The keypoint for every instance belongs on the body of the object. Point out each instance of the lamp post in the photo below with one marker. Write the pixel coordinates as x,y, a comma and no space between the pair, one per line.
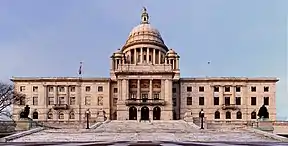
87,118
202,118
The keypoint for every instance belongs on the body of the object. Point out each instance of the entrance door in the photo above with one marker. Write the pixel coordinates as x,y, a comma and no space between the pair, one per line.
156,113
145,113
132,113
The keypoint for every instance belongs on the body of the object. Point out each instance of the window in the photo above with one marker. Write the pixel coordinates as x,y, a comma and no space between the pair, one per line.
266,89
61,100
35,100
22,88
227,89
189,89
50,115
228,115
51,100
189,100
60,115
72,100
115,90
266,100
144,58
216,89
133,96
174,101
35,88
227,100
115,101
35,115
61,89
144,96
100,89
253,89
201,101
201,89
216,100
238,100
253,115
71,115
253,100
138,59
22,101
150,58
87,100
72,89
238,89
217,115
174,90
156,96
100,100
50,89
238,115
88,88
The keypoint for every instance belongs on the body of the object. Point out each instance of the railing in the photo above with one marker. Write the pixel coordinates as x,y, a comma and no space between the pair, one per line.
60,106
229,106
145,102
144,68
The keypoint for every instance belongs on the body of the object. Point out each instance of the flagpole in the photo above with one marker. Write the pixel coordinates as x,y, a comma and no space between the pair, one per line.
80,90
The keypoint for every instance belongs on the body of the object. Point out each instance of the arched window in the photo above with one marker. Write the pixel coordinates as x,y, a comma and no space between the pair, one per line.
72,115
35,115
50,115
60,115
228,115
217,115
253,115
239,115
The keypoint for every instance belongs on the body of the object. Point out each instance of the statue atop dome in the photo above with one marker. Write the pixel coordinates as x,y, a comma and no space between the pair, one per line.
144,16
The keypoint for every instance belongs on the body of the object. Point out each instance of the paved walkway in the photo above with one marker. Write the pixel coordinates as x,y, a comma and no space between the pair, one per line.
135,131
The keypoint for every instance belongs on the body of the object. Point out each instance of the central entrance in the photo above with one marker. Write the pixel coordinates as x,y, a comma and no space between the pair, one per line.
132,113
144,113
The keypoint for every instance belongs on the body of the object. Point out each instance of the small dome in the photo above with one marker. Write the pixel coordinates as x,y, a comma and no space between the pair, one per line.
118,53
171,53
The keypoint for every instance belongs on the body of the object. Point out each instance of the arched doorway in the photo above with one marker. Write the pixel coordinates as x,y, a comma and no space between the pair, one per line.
156,113
132,113
35,115
144,113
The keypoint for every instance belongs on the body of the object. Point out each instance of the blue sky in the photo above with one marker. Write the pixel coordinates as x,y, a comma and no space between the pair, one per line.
241,37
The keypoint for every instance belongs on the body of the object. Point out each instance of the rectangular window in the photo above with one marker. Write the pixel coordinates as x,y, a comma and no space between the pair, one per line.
238,100
174,90
72,100
115,101
216,100
35,100
22,88
253,89
61,89
189,89
72,89
88,89
227,89
115,90
174,101
216,89
201,101
144,58
133,96
201,89
144,96
150,58
35,88
227,100
156,96
61,100
238,89
22,101
51,100
253,100
189,100
266,89
100,88
266,100
50,89
87,100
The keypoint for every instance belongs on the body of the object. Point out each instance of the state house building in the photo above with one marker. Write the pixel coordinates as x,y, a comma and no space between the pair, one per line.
145,83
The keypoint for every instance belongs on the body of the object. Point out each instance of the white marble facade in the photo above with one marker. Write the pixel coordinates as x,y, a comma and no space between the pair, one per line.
145,83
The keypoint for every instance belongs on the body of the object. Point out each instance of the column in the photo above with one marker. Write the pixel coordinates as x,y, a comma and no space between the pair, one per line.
138,89
141,55
148,54
154,56
119,89
124,89
112,63
45,97
162,96
177,62
135,56
67,94
55,94
221,95
233,99
127,89
151,89
159,57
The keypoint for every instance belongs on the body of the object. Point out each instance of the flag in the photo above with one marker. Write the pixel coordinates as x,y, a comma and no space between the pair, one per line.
80,69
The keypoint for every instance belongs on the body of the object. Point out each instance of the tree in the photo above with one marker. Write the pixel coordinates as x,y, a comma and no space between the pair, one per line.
8,96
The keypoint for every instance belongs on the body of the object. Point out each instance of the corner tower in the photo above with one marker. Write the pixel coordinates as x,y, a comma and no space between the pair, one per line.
144,68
